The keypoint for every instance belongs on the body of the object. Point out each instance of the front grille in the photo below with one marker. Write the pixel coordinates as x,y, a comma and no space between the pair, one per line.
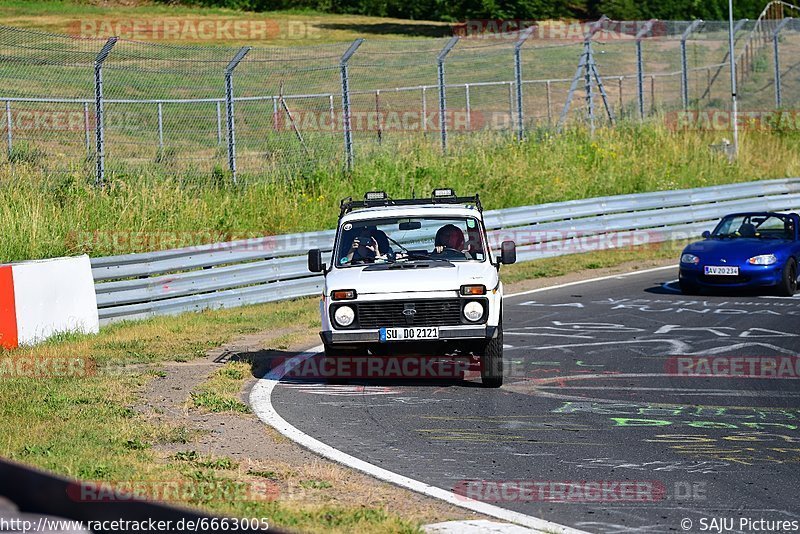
428,312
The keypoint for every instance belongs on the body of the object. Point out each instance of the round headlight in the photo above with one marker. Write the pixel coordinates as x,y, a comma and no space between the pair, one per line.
690,258
344,315
473,311
765,259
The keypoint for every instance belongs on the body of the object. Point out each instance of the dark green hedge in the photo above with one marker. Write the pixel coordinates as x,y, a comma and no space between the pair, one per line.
459,10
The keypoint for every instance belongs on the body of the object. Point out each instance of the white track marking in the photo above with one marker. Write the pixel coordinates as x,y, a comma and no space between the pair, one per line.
480,526
600,279
261,401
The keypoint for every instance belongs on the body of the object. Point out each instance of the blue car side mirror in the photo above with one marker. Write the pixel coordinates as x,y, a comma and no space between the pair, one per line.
706,234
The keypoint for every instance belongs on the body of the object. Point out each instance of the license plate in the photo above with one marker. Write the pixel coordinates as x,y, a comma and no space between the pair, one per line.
408,334
721,270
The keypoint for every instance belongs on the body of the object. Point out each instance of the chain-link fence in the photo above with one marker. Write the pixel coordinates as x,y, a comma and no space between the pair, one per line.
96,107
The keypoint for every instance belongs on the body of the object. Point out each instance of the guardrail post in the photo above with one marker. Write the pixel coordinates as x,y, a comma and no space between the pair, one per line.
442,92
518,77
684,63
347,126
100,177
229,108
9,135
640,66
777,60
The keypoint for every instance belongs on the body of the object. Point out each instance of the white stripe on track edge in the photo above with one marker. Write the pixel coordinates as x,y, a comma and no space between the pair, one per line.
261,402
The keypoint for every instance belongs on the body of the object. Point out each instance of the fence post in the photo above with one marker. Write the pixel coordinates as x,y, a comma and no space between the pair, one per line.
518,77
640,65
229,108
777,60
442,96
424,109
86,128
469,108
549,102
685,64
378,115
219,123
100,177
9,135
348,133
160,127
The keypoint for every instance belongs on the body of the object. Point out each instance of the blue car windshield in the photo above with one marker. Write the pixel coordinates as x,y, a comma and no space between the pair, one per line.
756,225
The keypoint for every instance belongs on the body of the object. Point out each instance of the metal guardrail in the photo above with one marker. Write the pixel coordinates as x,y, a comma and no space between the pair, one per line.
253,271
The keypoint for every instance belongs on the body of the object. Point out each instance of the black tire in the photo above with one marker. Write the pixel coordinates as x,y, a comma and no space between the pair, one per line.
788,285
688,289
492,361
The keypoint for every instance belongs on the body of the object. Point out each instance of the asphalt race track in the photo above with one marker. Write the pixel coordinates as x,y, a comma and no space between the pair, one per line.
598,394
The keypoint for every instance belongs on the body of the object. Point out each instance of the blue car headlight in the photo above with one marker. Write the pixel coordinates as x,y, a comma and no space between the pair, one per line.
764,259
689,258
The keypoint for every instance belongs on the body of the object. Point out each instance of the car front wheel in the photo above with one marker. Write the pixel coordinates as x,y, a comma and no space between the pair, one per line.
788,285
492,361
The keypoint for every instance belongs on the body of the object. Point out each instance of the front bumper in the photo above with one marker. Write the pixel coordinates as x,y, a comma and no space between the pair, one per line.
446,333
749,276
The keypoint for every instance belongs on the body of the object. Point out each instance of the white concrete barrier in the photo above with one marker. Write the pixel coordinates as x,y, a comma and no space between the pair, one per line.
41,298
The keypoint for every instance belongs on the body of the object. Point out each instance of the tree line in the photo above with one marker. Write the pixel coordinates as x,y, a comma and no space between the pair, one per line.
462,10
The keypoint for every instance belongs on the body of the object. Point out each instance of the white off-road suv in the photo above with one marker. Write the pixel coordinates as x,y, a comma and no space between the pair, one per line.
407,273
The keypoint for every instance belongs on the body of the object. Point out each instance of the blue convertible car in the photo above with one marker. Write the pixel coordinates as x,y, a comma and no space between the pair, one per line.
745,250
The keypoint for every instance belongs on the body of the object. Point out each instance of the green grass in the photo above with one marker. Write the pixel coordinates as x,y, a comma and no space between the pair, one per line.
307,27
88,427
220,393
63,215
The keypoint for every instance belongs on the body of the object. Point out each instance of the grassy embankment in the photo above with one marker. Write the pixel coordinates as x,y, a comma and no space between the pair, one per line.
59,215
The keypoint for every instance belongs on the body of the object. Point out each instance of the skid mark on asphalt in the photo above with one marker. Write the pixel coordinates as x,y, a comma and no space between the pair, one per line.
341,390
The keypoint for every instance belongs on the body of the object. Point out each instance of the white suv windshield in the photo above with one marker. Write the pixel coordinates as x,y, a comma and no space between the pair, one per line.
404,239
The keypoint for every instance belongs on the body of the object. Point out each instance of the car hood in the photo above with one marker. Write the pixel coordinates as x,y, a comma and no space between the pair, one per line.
734,250
438,278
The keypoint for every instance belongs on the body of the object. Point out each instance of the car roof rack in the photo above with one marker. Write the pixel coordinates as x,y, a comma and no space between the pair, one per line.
379,198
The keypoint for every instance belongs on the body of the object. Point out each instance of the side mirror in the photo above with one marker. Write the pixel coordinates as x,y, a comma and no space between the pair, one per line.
508,253
706,234
315,264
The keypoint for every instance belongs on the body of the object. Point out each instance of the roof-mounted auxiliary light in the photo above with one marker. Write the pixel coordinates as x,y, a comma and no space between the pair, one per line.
375,195
441,193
